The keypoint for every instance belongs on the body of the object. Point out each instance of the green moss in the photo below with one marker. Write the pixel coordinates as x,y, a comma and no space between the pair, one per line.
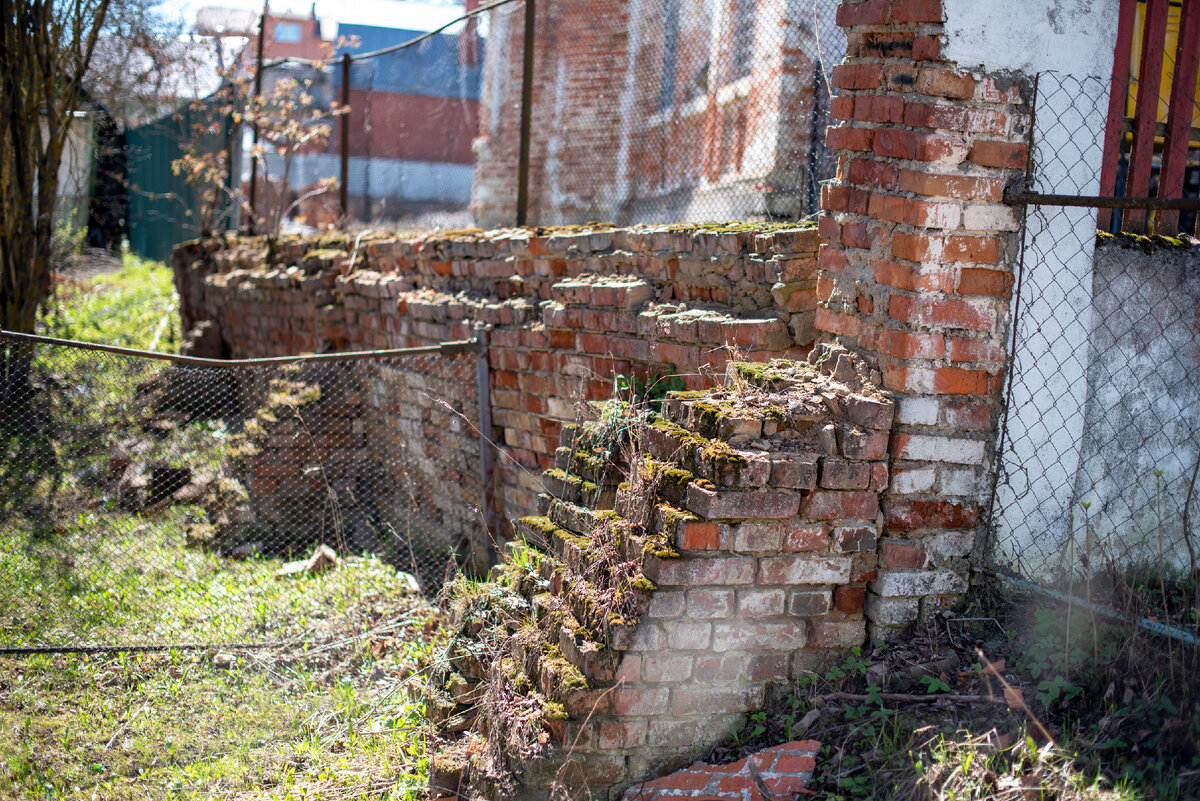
565,477
1147,244
643,584
675,478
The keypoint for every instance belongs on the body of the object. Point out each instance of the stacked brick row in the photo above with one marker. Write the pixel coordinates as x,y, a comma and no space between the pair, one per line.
918,275
570,311
747,527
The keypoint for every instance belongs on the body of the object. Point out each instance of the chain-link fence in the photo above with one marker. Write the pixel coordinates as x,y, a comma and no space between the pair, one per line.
132,486
1100,449
658,111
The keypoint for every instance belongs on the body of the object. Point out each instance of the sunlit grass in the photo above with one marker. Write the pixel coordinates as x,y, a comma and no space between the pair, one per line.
331,712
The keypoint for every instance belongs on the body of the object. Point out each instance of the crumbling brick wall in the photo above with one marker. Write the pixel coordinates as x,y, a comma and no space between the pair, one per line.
568,310
917,275
734,554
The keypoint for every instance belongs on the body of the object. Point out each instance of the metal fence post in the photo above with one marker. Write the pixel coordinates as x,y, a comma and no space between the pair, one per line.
258,71
344,187
526,117
483,552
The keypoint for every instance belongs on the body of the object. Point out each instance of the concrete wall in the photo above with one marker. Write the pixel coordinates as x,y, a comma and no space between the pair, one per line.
1139,446
1045,416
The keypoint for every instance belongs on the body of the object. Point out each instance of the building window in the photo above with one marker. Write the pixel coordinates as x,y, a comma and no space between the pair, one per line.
666,96
743,37
287,32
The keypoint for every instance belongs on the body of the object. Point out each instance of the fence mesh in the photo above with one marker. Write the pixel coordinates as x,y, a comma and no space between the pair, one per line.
131,486
1100,450
661,111
648,112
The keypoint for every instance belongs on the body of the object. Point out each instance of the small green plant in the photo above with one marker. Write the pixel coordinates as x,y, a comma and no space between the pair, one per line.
935,684
650,392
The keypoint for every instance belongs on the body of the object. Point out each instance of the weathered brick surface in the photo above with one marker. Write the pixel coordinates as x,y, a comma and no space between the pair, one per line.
785,770
927,149
772,581
568,311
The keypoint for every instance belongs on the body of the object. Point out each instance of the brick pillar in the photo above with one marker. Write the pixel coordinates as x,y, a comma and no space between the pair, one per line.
917,275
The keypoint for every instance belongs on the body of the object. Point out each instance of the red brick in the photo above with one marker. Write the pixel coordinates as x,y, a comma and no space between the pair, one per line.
835,197
842,475
824,288
940,380
964,349
856,235
908,345
899,77
918,146
697,535
864,445
963,187
969,415
945,83
915,515
833,259
848,600
1005,155
847,138
690,779
926,48
869,172
829,228
941,312
871,12
799,539
841,506
899,554
879,108
957,381
974,249
641,702
955,118
855,76
880,44
561,338
917,213
909,11
841,107
836,323
995,283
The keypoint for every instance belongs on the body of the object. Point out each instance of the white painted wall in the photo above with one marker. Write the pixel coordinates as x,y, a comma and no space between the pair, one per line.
1071,45
379,178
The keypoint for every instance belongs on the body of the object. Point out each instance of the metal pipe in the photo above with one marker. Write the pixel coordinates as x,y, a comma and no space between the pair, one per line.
344,186
1098,202
445,349
483,383
1174,632
526,116
258,71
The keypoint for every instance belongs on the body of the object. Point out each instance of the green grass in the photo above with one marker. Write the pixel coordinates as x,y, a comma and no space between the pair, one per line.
134,306
332,712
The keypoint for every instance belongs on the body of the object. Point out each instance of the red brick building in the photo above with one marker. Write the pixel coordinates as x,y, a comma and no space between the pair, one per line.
659,110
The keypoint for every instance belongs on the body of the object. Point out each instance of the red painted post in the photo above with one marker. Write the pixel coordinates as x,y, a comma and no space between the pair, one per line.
1179,114
1145,116
1114,130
